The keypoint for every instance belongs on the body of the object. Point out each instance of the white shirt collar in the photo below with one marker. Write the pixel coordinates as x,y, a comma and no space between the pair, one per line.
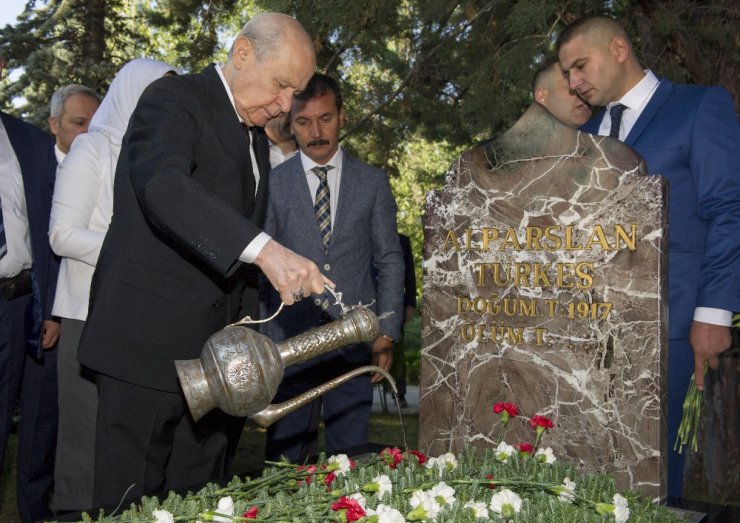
228,91
637,97
59,154
336,161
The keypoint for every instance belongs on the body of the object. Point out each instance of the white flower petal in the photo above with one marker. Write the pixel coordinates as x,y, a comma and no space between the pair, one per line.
225,506
162,516
504,451
505,497
384,484
386,514
442,493
479,508
342,461
621,509
547,455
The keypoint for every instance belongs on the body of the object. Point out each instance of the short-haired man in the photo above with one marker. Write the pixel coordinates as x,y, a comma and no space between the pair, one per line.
690,135
339,212
179,261
551,90
71,109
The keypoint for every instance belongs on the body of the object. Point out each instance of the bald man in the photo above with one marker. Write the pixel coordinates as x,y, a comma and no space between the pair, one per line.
550,89
690,135
180,259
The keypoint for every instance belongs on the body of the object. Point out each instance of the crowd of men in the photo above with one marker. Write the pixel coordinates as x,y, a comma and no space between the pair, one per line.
204,213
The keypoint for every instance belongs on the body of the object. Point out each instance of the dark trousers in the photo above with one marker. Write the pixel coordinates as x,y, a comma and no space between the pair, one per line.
345,410
147,438
680,367
34,383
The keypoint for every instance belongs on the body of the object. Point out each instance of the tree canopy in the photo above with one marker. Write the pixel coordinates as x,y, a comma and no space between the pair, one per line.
422,79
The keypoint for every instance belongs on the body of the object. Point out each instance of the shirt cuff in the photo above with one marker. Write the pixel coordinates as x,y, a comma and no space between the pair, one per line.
255,246
713,316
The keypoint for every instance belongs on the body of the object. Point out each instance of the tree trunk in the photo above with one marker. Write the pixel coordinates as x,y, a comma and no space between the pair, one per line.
93,49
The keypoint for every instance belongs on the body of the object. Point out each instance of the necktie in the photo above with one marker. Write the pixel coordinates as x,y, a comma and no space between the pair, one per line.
322,205
3,241
616,114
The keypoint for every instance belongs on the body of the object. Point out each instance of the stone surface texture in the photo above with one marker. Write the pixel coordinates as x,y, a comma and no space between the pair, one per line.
555,311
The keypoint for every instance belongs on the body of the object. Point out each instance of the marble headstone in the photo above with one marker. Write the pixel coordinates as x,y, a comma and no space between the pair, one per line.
545,286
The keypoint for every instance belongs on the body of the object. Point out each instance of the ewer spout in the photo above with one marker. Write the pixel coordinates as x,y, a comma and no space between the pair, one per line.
239,370
271,414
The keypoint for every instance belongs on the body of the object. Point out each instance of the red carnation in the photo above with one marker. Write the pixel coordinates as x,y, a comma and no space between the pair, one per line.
352,464
524,448
353,509
421,457
491,485
391,456
310,470
251,513
330,477
540,423
511,409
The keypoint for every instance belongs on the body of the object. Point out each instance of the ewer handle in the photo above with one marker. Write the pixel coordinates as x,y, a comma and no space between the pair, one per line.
359,325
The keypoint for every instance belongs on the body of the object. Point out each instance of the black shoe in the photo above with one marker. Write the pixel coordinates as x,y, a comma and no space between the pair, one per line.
403,403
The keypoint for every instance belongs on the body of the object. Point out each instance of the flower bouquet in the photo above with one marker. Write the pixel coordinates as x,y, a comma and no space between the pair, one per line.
515,483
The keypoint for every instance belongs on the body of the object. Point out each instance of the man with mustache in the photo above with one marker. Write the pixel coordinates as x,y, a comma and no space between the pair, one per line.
551,90
690,135
339,212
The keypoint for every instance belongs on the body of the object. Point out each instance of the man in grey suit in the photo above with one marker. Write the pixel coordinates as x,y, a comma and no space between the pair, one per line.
340,213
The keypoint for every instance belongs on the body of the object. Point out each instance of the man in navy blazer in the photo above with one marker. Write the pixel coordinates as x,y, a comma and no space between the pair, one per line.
28,275
690,135
352,237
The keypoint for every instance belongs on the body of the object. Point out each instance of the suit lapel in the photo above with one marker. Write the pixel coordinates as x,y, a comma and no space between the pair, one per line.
662,93
230,132
347,190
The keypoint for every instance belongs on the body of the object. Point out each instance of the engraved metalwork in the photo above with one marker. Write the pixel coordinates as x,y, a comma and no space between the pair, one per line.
239,370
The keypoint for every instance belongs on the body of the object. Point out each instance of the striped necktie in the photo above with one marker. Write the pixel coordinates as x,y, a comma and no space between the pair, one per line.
616,113
322,205
3,241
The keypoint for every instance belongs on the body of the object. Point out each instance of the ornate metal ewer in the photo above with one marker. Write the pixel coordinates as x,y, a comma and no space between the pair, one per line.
239,370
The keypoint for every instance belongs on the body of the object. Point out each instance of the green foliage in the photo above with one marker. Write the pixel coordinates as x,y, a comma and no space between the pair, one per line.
282,493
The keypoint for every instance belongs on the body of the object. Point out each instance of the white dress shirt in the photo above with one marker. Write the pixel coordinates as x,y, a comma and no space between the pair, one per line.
255,246
635,100
15,213
333,179
59,154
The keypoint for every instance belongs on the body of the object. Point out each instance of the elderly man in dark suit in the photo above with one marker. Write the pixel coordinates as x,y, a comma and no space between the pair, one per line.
340,213
28,333
179,261
690,135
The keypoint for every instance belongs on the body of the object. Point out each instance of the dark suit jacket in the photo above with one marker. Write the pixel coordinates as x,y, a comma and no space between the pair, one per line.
690,135
364,258
35,152
184,209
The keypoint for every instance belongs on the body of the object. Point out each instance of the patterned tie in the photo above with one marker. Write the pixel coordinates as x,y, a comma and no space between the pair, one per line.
322,205
616,114
3,241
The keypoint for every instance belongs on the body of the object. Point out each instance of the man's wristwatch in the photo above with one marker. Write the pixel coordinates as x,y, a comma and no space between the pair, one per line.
386,337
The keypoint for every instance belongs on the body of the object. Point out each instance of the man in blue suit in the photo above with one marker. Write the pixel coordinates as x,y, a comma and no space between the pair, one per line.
690,135
340,213
28,275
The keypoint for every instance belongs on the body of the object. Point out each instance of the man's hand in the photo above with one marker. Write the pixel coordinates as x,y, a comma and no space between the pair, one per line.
382,356
290,273
708,341
50,334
